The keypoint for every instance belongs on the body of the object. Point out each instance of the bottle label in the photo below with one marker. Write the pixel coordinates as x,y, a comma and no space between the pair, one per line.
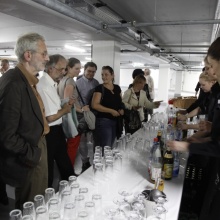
155,172
168,170
169,156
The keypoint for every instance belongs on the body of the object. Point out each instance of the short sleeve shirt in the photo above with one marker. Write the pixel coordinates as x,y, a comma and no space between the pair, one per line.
109,99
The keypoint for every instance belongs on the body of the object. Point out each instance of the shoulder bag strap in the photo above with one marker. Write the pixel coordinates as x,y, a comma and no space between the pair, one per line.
80,95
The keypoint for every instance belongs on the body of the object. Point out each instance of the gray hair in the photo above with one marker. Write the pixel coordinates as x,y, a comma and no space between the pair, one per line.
54,59
27,42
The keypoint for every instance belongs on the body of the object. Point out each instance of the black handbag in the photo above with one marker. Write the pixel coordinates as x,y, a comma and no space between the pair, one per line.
131,118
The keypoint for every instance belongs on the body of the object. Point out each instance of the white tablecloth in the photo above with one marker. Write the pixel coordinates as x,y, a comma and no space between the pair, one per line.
134,177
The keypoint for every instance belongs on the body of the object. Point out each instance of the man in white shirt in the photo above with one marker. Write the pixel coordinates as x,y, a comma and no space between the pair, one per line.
56,142
150,82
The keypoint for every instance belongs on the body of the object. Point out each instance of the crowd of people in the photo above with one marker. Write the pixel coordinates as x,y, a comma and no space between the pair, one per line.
32,108
205,142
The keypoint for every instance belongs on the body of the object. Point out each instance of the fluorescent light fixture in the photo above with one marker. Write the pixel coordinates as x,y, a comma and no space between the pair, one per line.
137,64
77,49
88,45
88,58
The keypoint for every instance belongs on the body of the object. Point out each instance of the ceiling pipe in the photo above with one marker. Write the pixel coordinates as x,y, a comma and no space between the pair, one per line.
72,13
163,23
184,46
191,52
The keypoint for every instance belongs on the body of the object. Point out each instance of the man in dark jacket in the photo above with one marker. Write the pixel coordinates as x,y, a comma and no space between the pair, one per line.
23,152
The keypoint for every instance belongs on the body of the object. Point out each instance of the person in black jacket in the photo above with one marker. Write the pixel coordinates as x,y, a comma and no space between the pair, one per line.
135,73
23,153
210,209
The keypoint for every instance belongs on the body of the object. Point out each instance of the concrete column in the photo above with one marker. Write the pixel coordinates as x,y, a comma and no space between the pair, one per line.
163,82
178,83
106,53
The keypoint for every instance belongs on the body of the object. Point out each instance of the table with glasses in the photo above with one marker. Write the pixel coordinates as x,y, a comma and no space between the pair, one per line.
111,188
133,177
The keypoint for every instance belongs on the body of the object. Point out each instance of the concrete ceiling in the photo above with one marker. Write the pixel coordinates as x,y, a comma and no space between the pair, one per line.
150,31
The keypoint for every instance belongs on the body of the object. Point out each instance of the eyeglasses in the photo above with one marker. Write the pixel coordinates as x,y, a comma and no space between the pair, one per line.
60,70
43,54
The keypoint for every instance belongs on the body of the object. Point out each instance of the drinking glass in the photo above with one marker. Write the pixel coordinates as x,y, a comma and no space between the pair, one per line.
118,162
54,216
123,206
111,212
27,217
39,201
63,184
202,118
28,209
72,179
41,213
138,206
65,198
98,175
53,205
83,215
79,201
49,193
133,215
160,212
90,208
84,191
15,214
97,199
69,211
74,188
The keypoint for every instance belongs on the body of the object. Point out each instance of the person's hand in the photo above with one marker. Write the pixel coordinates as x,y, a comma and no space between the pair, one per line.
183,126
72,101
193,140
136,107
182,117
121,111
178,145
157,104
86,108
205,126
115,113
67,108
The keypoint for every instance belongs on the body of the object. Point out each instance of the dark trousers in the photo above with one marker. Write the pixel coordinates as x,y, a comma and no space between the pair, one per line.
105,132
36,181
57,150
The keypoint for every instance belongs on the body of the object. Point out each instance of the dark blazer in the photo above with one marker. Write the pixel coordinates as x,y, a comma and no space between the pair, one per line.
21,126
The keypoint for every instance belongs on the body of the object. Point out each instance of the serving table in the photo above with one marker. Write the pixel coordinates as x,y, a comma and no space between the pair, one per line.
134,177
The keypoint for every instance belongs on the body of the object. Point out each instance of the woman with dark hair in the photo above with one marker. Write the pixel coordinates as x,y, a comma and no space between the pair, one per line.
67,89
135,98
108,104
211,201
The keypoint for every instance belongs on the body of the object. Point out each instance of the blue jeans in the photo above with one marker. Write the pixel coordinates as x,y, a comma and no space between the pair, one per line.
105,132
